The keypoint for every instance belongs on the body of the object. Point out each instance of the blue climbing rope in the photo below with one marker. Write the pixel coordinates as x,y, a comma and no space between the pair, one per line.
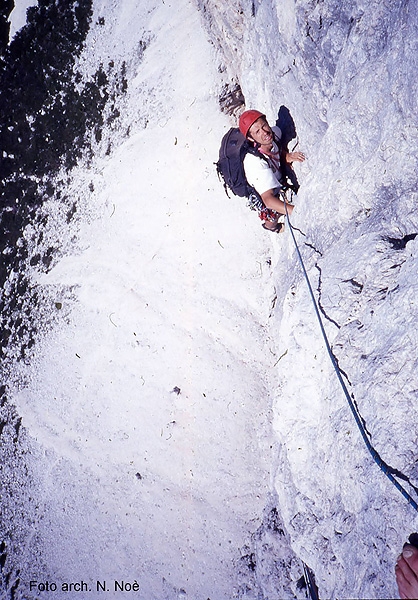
310,582
387,470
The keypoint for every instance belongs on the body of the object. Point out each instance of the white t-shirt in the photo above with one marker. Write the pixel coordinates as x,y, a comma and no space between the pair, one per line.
263,174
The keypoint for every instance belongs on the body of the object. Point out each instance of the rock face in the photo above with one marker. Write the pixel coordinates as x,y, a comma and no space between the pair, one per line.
169,414
347,73
136,441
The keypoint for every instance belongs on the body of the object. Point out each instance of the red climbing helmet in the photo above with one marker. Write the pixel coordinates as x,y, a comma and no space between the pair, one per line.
247,119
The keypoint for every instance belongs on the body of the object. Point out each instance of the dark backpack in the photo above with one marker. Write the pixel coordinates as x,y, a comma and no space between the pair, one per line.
230,166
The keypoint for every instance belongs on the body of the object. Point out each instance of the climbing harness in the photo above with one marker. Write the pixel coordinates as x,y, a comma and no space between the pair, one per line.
390,472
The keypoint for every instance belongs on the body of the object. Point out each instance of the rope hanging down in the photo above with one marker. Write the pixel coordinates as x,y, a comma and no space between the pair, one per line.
387,470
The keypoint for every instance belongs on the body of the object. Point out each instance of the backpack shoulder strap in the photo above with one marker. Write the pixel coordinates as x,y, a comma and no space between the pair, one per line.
251,149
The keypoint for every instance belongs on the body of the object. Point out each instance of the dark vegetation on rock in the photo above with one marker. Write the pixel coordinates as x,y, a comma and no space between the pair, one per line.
6,8
50,117
41,127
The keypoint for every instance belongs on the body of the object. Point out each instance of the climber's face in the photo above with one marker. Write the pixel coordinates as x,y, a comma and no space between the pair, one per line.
260,132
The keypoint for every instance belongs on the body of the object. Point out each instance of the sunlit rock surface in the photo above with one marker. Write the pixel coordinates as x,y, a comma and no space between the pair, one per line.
346,71
170,415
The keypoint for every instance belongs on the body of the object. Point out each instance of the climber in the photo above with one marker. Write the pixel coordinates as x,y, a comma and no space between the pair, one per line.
264,174
406,572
